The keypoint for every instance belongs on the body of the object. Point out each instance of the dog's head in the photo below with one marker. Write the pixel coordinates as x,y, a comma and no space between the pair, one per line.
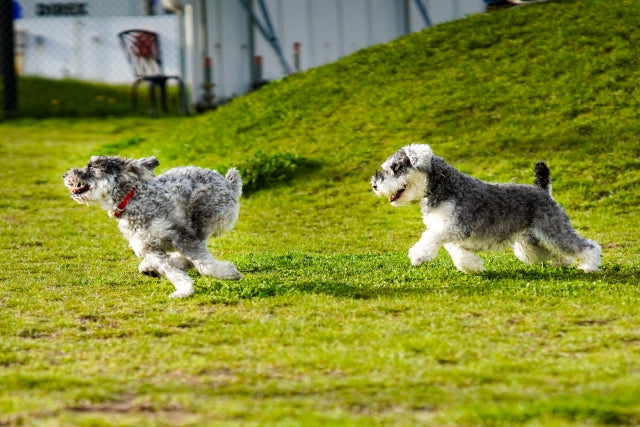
403,176
97,180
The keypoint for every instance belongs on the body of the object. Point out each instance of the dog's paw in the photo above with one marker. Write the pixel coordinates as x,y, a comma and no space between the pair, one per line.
227,271
588,268
417,256
146,269
182,293
473,266
150,273
222,270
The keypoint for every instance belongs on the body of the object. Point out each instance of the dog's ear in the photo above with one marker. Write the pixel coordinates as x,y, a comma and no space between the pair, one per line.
419,155
140,170
97,162
149,163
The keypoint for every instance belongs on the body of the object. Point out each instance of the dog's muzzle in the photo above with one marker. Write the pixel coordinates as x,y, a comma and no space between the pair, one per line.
397,194
75,185
79,189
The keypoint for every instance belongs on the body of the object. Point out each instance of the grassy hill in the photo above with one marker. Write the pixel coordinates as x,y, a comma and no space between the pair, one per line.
492,94
331,325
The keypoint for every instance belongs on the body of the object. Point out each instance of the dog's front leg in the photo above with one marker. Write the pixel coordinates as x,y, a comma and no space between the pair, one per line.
427,247
181,281
464,260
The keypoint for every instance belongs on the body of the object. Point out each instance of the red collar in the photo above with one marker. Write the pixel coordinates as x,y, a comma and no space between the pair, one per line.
123,203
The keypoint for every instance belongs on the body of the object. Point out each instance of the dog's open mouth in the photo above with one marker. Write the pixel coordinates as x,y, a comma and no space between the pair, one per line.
397,194
79,190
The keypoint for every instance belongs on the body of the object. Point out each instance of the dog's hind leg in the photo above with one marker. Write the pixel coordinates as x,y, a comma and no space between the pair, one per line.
181,281
464,260
568,245
529,250
177,260
207,265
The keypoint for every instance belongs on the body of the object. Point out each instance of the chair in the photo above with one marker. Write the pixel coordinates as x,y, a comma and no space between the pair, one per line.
143,53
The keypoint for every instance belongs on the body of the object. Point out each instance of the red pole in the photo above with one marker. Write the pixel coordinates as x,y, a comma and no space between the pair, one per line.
258,69
296,56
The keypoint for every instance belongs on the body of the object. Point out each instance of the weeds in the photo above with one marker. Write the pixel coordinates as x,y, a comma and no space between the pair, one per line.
262,171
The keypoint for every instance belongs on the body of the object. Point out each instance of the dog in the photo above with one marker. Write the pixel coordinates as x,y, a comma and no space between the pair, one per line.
168,218
467,215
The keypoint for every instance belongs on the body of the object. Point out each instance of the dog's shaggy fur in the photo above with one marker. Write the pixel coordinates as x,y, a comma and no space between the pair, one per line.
167,219
466,215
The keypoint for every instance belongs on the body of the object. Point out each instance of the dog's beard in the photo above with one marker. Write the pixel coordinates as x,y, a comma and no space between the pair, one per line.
88,191
79,190
81,194
78,187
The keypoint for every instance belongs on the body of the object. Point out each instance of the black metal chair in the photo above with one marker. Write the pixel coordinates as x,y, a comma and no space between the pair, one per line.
142,48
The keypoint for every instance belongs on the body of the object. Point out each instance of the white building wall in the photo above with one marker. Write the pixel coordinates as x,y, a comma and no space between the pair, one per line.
86,47
325,30
229,45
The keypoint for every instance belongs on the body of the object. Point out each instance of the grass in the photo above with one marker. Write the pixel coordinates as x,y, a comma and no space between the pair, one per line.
331,325
40,97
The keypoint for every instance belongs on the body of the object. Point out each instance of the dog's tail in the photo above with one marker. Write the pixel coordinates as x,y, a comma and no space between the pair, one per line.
233,176
543,176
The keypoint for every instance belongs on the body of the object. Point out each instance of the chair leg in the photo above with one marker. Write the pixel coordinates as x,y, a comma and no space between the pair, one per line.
153,99
163,97
134,96
183,98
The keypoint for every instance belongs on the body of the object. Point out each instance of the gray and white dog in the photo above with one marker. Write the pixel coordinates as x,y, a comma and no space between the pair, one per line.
466,215
168,218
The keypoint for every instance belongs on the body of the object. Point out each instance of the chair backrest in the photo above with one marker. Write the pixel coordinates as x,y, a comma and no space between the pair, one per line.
143,52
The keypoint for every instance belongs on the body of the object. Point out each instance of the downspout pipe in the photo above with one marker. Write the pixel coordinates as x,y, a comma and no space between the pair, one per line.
267,31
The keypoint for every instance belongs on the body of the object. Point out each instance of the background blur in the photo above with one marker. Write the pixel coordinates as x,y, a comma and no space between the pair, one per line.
219,48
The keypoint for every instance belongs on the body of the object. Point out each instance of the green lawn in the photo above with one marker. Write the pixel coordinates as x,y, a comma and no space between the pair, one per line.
331,325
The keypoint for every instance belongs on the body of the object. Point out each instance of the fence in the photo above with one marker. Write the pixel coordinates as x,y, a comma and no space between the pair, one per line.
79,40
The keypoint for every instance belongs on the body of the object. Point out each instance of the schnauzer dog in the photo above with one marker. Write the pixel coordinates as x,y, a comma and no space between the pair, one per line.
167,219
466,215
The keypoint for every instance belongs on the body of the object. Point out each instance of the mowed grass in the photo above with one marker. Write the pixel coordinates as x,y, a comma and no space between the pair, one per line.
331,325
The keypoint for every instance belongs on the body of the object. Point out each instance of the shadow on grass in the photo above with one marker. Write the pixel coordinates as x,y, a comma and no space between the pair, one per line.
365,276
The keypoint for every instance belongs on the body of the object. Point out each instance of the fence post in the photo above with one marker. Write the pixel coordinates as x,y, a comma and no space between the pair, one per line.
7,64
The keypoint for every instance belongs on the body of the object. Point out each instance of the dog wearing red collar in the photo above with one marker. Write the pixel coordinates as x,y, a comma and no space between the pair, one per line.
166,218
